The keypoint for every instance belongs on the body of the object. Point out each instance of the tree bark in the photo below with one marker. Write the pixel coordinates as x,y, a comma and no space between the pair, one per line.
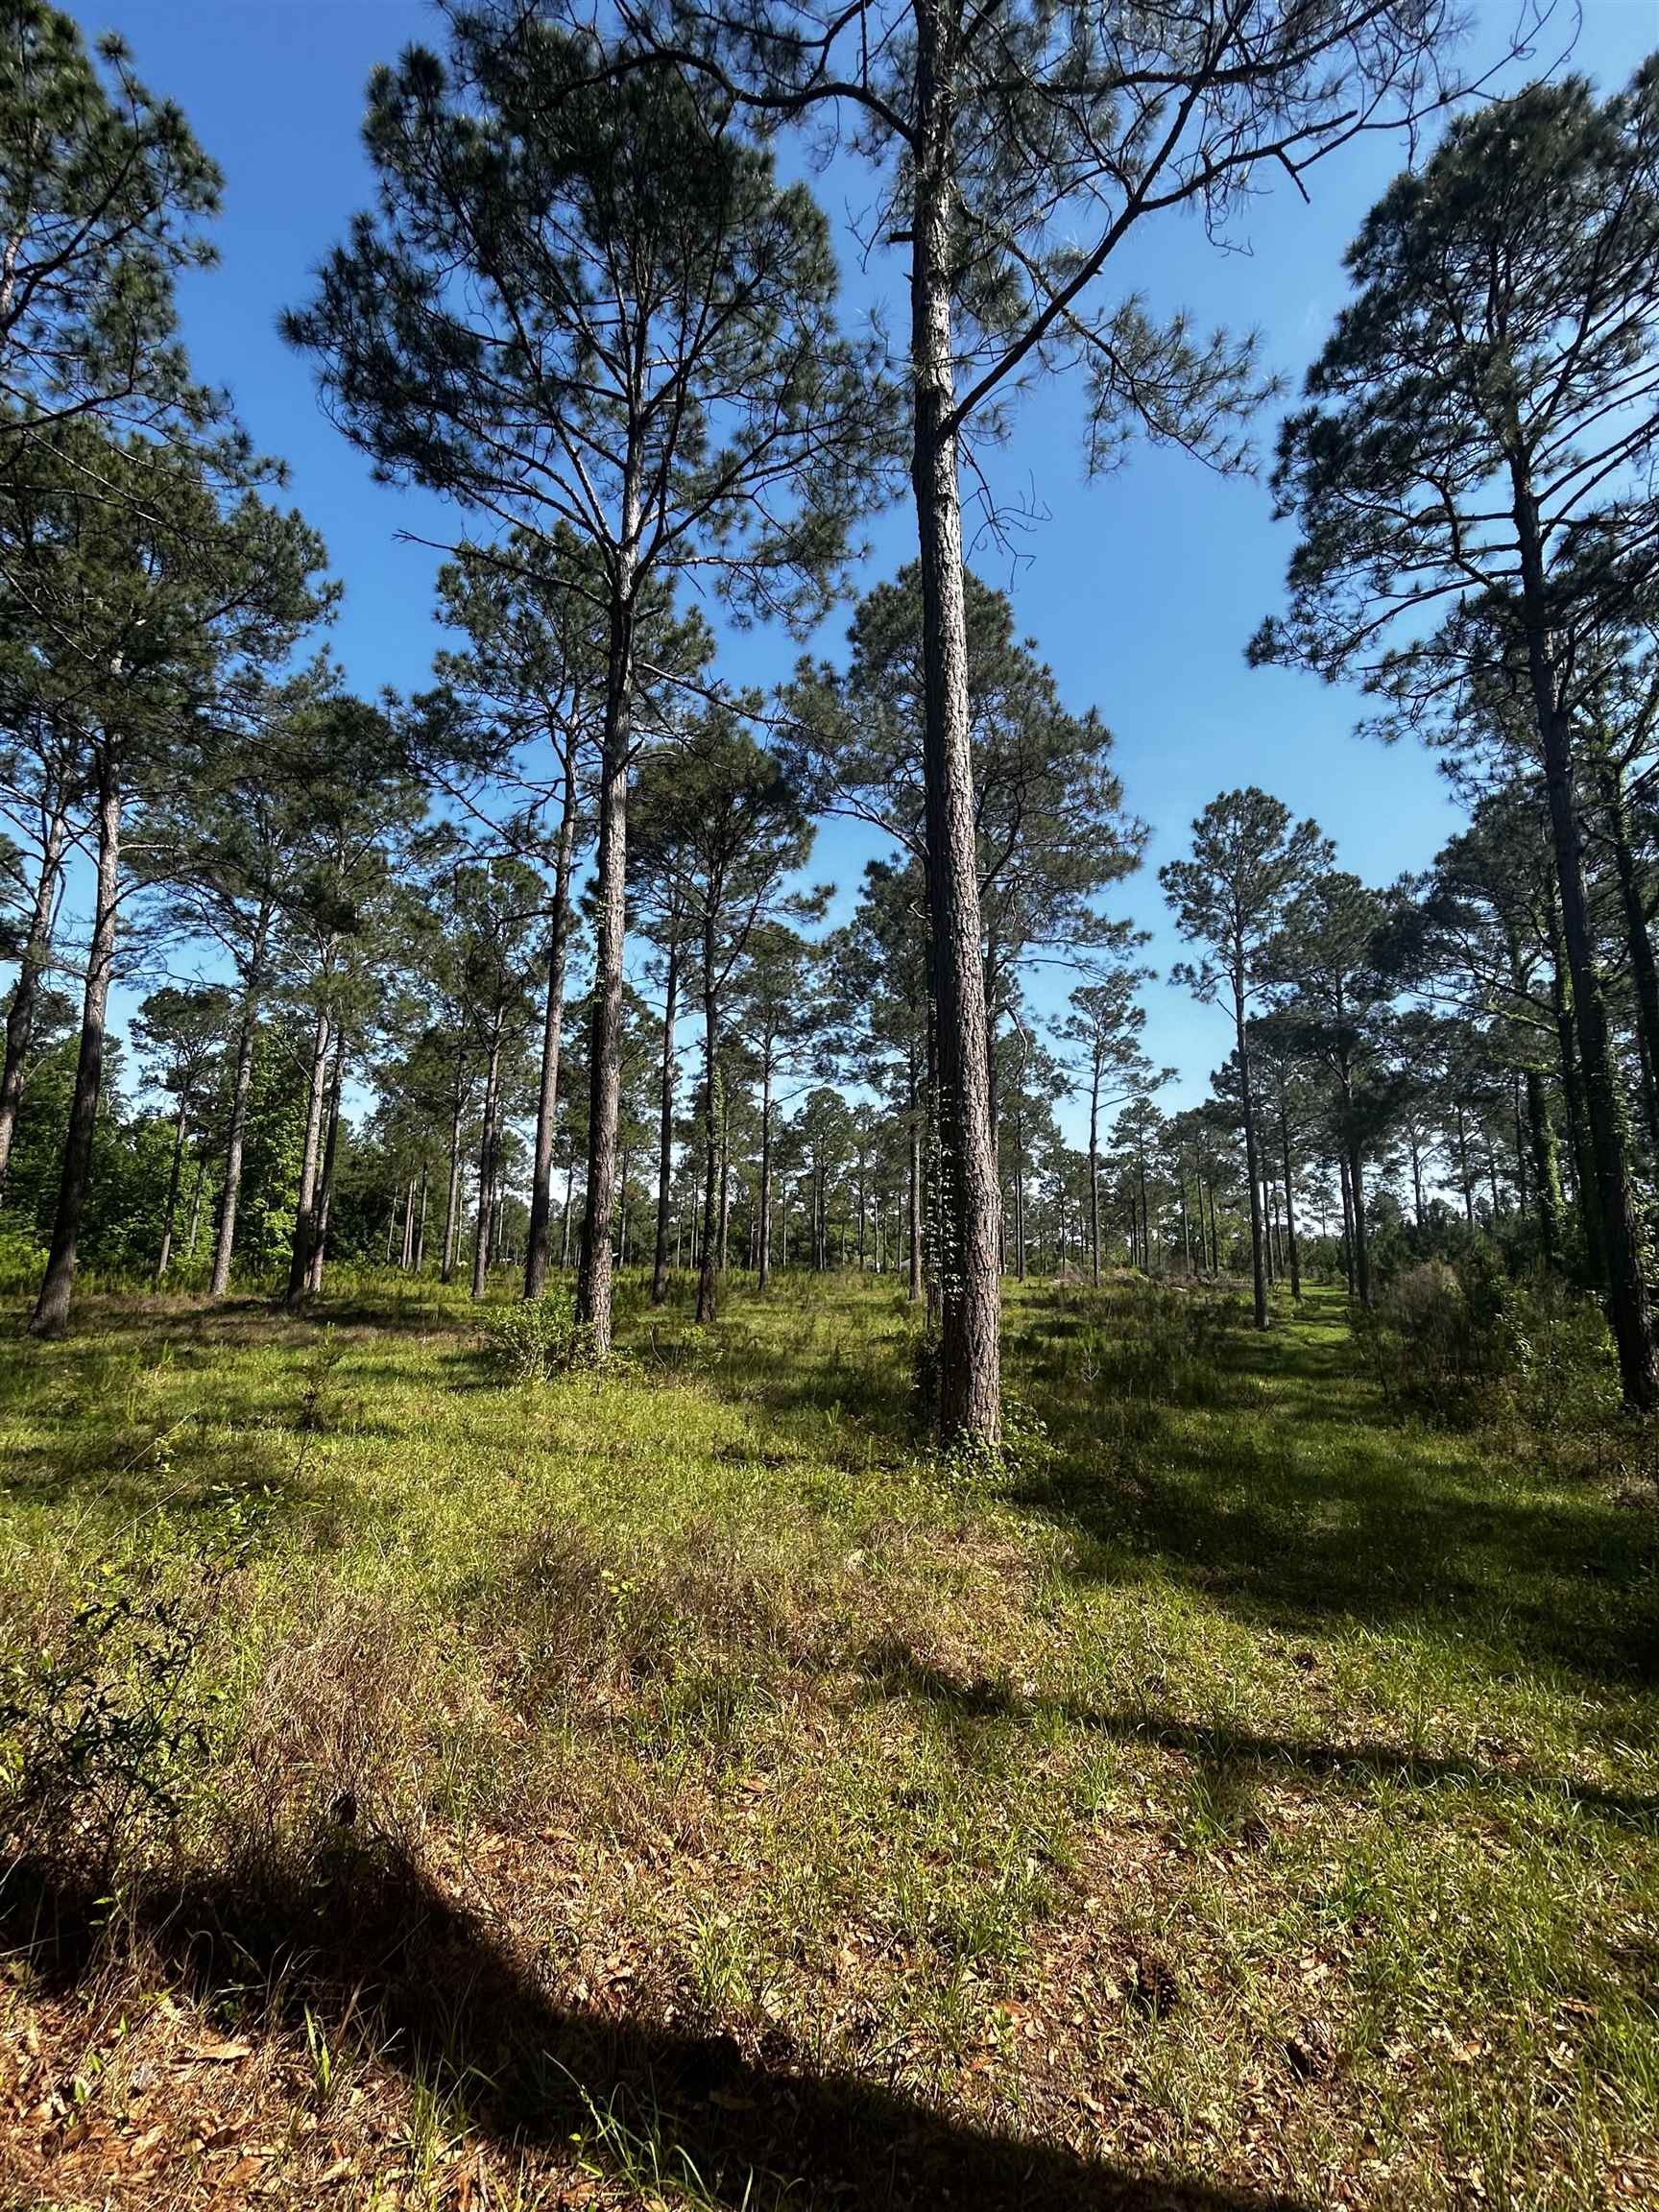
709,1262
604,1026
306,1210
1094,1175
50,1315
969,1395
1643,973
665,1125
330,1151
764,1200
1258,1266
539,1234
1546,1166
32,969
1626,1287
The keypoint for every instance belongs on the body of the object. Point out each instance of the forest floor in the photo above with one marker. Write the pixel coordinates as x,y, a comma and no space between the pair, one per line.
677,1788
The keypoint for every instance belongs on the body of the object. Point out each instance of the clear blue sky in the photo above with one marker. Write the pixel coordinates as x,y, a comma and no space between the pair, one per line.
1140,590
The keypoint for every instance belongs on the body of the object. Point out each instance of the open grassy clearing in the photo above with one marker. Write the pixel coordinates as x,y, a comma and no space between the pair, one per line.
678,1787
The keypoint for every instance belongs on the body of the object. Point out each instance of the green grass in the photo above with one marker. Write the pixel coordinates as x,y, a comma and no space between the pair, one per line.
1237,1787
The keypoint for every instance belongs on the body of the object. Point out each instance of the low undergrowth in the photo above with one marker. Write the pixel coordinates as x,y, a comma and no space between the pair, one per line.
437,1776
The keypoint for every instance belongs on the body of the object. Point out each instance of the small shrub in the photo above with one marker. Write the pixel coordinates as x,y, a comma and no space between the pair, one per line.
95,1733
534,1337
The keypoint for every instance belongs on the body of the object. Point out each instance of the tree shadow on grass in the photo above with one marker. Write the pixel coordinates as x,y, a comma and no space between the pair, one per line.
1242,1755
361,1937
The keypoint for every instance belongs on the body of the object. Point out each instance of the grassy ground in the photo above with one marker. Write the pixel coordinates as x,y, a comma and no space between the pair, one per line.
676,1788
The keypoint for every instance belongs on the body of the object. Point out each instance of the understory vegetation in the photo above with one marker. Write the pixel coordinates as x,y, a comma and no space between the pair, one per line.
679,1784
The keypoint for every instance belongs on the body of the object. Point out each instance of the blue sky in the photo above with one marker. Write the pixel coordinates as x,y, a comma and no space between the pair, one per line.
1139,589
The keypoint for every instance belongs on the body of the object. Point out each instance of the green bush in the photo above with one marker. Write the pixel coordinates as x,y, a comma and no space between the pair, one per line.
533,1337
1455,1345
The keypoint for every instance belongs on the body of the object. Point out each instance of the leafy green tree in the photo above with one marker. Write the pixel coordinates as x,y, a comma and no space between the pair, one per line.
594,307
1474,481
1248,859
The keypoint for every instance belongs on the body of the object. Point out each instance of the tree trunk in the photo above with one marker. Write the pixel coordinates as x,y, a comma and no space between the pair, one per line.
1289,1203
1347,1221
764,1240
970,1396
1258,1265
1546,1166
175,1177
421,1224
1622,1244
452,1198
1094,1176
247,1036
487,1171
1643,973
195,1206
913,1195
666,1128
609,900
306,1210
51,1315
538,1233
711,1126
330,1153
33,966
1463,1174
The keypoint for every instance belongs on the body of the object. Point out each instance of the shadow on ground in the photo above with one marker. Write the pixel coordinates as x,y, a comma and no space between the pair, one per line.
1241,1755
429,1988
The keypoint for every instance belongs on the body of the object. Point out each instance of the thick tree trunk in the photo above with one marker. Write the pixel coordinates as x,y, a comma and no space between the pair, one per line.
241,1090
605,1027
665,1124
1257,1263
330,1153
969,1394
1347,1221
537,1235
306,1210
175,1175
32,969
51,1315
1622,1244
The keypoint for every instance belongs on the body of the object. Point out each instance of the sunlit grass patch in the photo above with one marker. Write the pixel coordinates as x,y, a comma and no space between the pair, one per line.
1233,1781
